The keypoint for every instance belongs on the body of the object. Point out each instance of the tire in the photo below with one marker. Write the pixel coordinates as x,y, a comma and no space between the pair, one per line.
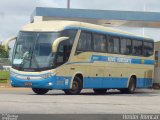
76,87
124,90
100,91
131,87
40,91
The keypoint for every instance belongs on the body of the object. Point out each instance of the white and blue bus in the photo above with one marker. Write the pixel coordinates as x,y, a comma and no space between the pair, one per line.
72,56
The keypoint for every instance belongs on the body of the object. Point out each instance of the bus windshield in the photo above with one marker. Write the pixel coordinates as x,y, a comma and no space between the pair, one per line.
33,51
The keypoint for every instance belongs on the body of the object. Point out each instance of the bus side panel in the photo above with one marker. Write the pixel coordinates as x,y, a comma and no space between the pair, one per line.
115,82
63,77
93,82
144,82
114,76
101,73
95,74
102,82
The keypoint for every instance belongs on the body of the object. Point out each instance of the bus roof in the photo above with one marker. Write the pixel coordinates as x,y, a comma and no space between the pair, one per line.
50,26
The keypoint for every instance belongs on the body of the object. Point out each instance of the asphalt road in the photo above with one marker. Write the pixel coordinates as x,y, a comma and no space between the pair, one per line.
21,101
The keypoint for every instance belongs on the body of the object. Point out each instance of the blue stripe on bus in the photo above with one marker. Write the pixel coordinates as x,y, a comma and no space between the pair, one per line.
121,60
104,82
149,62
58,82
114,82
78,62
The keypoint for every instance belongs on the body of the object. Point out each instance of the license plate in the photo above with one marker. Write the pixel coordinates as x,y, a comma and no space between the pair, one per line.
28,84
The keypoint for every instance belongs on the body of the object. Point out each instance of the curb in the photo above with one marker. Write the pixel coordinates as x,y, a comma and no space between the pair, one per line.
5,85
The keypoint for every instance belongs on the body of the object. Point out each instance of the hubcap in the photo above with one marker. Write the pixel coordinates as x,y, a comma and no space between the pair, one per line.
74,86
132,87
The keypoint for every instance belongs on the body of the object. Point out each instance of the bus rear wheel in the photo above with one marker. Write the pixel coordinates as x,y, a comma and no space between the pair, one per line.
40,91
131,87
76,87
100,91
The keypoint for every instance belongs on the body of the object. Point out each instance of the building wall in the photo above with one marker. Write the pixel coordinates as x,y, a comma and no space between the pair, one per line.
157,64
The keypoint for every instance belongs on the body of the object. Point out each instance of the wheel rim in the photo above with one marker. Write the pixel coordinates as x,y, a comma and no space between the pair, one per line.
74,87
132,86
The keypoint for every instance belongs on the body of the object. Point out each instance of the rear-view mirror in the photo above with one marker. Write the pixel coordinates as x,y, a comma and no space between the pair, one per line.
57,42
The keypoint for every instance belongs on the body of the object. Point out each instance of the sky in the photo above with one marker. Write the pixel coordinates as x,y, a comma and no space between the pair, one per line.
14,14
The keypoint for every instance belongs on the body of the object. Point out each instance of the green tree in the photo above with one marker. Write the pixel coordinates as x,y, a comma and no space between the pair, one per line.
3,52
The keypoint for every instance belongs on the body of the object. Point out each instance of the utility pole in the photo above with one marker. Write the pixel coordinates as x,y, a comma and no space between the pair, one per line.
68,4
143,29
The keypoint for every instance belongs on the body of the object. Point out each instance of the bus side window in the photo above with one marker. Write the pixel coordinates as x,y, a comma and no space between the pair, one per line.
69,33
137,48
147,49
113,45
116,45
65,47
129,47
126,46
84,43
99,43
110,45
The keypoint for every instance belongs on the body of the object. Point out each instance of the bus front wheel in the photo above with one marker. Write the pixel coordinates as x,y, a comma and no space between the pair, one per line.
100,91
131,87
76,87
40,91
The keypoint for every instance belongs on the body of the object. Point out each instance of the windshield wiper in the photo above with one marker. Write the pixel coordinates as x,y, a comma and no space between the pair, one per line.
25,57
32,55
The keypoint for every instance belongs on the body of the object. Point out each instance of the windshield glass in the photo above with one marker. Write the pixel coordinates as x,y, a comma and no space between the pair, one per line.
33,51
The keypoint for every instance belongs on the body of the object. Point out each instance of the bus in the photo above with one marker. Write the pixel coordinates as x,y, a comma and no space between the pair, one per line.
71,56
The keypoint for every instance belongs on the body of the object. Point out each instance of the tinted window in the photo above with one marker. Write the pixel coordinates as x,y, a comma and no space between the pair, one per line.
137,48
113,45
69,33
116,45
99,43
126,46
84,43
65,47
110,45
43,46
148,48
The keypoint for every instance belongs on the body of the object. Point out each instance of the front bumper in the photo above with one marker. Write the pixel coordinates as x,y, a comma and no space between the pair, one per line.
54,82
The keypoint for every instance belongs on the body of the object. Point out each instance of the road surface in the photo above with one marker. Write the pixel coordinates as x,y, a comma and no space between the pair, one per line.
21,101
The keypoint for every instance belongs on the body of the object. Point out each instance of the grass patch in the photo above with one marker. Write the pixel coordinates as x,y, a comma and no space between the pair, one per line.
4,76
3,81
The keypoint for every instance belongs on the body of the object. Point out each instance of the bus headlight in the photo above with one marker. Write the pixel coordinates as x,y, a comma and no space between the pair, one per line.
50,84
